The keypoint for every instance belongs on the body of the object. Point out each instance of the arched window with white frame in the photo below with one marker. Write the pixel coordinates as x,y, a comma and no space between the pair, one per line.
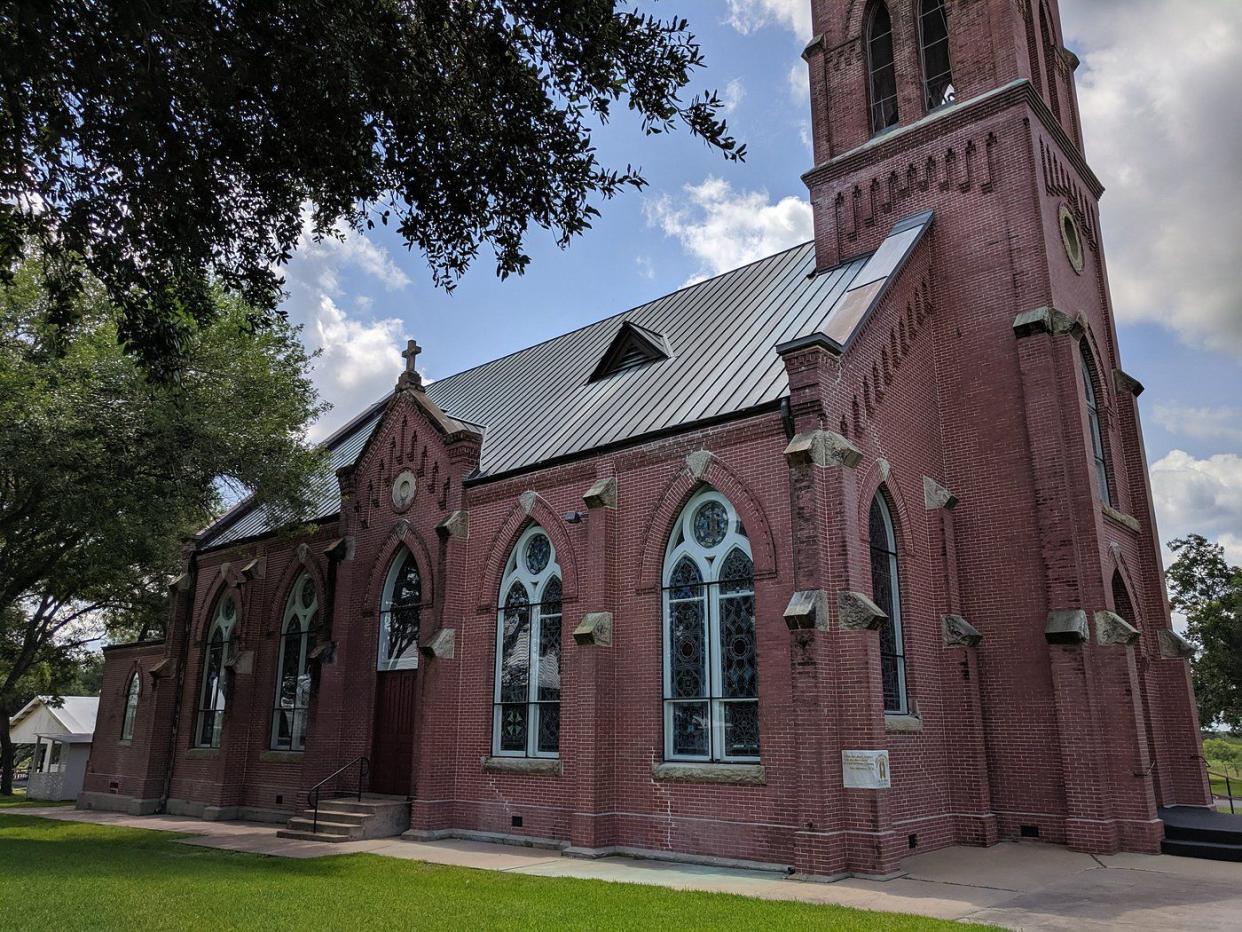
214,690
526,720
886,591
711,665
132,689
293,680
400,616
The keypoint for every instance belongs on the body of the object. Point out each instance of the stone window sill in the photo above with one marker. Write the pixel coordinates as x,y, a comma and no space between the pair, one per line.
525,766
690,772
281,757
1120,517
902,724
203,753
125,742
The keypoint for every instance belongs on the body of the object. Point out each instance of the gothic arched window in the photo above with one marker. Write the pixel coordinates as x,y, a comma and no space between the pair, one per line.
1090,393
526,719
293,680
132,689
886,590
938,88
400,615
881,68
1050,60
214,690
711,667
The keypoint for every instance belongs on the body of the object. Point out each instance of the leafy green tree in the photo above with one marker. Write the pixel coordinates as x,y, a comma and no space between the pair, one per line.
173,145
103,472
1208,591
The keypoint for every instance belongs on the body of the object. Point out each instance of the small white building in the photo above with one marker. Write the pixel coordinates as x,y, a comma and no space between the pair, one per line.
62,739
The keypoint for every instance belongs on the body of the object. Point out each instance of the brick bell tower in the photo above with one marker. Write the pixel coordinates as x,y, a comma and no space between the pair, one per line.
968,108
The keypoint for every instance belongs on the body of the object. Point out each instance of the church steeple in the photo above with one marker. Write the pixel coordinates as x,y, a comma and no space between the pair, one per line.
877,65
902,78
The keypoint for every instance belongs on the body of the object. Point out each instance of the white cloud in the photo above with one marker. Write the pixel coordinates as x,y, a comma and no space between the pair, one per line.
1200,496
748,15
360,351
1201,423
734,94
646,268
1163,124
724,229
799,84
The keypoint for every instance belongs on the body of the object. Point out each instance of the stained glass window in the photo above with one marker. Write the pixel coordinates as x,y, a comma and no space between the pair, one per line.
209,724
132,689
938,87
527,717
881,69
293,676
886,591
401,616
711,687
1100,464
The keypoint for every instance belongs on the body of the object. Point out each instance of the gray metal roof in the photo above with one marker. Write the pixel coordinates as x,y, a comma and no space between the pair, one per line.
538,404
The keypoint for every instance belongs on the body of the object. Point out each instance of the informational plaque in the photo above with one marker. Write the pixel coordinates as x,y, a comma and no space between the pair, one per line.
865,770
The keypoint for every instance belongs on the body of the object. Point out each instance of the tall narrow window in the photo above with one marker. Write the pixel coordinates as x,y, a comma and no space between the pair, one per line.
400,616
293,680
212,695
527,711
711,669
881,69
938,88
886,590
1050,61
132,688
1093,421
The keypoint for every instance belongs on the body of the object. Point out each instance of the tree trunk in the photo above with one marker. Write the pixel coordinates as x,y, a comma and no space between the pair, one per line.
6,754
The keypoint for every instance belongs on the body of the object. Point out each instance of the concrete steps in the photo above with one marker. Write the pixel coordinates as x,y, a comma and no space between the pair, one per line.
350,820
1192,832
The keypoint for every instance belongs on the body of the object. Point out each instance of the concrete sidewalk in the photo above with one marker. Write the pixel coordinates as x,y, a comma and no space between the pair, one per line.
1020,885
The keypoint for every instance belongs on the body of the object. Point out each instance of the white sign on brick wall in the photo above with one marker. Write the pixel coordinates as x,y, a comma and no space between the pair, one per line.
865,770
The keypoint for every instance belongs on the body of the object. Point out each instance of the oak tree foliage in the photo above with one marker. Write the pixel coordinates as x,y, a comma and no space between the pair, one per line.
1208,591
171,147
104,471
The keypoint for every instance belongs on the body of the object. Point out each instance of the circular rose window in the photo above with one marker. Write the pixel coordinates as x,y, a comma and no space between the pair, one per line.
711,523
403,490
1072,238
538,553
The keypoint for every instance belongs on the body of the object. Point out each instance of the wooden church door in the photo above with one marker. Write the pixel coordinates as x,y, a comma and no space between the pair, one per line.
396,680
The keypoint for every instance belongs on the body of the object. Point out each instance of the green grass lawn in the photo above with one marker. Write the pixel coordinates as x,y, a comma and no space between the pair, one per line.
76,875
19,801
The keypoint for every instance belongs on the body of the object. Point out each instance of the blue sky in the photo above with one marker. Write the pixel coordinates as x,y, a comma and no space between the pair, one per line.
1166,145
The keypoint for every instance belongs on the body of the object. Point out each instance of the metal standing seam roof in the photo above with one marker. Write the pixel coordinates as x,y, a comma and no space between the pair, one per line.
538,404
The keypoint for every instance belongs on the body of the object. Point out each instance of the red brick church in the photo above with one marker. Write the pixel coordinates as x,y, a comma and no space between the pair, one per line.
843,553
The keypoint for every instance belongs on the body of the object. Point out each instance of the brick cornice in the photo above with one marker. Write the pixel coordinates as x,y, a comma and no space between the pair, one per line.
940,123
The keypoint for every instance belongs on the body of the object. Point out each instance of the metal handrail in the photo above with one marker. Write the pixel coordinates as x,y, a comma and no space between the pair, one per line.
1228,787
313,796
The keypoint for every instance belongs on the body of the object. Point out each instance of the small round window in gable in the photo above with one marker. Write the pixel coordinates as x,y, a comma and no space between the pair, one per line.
1072,238
403,490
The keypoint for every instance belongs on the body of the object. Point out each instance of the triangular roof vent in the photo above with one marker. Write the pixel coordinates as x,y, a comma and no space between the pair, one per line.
633,346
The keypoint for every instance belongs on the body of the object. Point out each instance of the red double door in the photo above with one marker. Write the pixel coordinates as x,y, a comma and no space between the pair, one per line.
392,745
